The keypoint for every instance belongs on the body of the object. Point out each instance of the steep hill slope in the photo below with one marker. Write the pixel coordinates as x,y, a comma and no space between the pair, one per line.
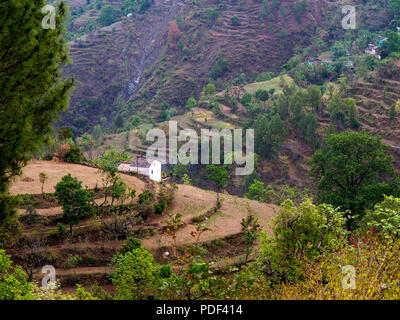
134,59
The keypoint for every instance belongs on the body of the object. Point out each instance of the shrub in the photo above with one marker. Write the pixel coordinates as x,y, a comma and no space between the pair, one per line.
130,245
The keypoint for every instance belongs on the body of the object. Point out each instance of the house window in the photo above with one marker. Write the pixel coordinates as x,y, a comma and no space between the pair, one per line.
151,171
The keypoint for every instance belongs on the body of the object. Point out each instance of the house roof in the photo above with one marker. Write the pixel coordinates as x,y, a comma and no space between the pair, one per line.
141,163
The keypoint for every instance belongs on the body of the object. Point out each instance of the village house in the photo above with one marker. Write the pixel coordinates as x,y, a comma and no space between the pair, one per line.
147,167
373,50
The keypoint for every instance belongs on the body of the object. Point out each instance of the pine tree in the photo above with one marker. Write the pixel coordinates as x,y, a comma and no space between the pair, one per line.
32,91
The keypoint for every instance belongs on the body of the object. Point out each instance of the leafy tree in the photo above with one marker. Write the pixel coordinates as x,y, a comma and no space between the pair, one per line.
74,154
269,134
43,178
108,166
134,274
32,90
173,224
13,284
130,245
246,99
314,96
76,202
191,103
218,68
304,232
107,16
339,50
209,90
392,112
258,192
219,175
391,45
211,15
347,166
250,230
235,21
384,218
262,94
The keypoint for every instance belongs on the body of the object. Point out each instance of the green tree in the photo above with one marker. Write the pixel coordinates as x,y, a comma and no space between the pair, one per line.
392,112
258,192
246,99
107,16
269,135
134,274
250,230
191,103
13,284
347,166
314,96
76,202
303,232
218,68
219,175
262,94
43,178
32,90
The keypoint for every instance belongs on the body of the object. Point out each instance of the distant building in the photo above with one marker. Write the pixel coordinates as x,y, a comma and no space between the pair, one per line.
150,168
373,50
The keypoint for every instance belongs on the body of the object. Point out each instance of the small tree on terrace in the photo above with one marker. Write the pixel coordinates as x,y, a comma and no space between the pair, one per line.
219,175
250,229
43,178
76,202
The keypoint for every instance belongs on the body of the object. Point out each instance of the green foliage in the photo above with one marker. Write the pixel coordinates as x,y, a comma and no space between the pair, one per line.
134,274
191,103
391,45
258,192
219,175
246,99
250,230
218,68
339,50
74,154
303,232
107,16
269,135
350,169
32,90
211,15
77,203
13,284
130,245
235,21
209,90
385,217
392,112
262,94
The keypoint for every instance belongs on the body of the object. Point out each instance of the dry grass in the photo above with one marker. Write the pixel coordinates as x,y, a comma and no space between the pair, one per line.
28,182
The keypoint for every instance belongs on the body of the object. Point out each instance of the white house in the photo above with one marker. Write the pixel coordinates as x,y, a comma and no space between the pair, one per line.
148,167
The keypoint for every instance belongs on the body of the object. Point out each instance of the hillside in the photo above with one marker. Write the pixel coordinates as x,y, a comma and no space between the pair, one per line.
134,58
95,249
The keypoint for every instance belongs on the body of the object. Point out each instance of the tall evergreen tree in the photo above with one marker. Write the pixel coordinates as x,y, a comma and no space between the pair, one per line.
32,91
